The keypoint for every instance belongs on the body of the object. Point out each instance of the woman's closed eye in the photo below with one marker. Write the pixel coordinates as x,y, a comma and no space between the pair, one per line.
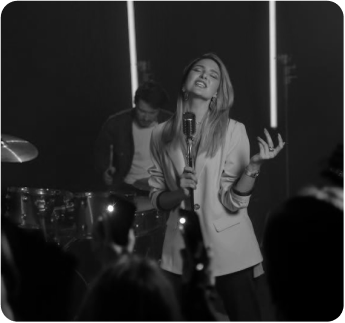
197,69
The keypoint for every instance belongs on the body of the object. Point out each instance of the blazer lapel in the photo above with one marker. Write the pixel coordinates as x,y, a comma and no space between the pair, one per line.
179,161
177,158
200,163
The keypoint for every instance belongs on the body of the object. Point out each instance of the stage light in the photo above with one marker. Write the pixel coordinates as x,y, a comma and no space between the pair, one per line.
182,221
132,47
273,64
110,208
199,267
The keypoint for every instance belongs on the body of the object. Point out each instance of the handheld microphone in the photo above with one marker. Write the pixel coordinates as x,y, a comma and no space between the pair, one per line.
188,125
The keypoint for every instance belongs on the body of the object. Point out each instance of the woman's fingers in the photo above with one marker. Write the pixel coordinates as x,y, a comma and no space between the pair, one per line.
189,176
281,142
188,183
272,150
262,148
188,179
267,149
279,147
189,173
188,169
269,139
264,145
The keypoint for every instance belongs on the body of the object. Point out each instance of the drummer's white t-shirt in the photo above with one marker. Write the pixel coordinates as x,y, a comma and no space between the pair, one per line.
141,159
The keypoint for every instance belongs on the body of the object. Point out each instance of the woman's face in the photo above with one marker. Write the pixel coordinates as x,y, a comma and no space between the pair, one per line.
203,79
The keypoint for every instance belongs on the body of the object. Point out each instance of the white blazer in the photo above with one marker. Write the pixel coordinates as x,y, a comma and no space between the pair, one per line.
225,223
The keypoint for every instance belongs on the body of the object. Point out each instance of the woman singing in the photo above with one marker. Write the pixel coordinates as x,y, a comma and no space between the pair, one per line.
222,180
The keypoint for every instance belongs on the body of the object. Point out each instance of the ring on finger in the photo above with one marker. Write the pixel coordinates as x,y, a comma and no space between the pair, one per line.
271,149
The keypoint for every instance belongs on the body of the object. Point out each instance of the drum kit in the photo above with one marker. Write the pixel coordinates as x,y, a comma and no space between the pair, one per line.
62,216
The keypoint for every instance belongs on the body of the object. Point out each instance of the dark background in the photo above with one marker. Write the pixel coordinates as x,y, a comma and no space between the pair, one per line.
65,69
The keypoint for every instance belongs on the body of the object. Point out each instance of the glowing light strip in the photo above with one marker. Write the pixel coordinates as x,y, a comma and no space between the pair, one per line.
273,65
132,47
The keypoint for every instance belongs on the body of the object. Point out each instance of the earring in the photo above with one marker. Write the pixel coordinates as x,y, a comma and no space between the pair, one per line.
213,103
185,95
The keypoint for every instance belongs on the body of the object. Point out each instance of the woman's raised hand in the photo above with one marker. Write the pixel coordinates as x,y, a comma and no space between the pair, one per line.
267,149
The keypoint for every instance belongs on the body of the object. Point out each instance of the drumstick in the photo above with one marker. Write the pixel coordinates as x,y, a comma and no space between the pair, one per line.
111,156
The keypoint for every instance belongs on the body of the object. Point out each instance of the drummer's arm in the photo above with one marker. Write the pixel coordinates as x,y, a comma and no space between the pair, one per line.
142,184
105,148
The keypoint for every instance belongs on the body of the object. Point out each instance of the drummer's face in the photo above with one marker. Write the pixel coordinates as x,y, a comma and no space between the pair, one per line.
145,114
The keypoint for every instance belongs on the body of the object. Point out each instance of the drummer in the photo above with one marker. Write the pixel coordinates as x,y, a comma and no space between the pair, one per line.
122,153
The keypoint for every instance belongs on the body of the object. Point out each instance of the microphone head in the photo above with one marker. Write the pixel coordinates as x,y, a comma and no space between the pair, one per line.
188,124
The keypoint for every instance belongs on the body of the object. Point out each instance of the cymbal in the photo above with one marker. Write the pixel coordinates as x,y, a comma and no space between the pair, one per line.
16,150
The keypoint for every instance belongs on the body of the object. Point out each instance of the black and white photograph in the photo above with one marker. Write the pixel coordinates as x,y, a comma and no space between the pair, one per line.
172,161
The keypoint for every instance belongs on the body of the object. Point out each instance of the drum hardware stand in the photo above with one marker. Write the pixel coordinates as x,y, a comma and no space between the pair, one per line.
86,203
23,216
42,213
41,217
55,220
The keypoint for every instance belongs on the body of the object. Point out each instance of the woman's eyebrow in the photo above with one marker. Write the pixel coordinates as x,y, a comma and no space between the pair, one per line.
212,70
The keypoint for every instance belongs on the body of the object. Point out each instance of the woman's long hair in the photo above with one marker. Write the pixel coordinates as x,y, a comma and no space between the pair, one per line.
218,116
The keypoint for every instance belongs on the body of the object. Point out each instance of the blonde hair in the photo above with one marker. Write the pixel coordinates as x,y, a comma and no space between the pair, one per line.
216,120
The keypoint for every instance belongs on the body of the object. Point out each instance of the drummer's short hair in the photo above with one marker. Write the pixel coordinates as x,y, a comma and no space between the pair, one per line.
152,93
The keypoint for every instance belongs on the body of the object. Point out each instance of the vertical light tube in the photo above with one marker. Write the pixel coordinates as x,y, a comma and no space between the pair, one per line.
273,65
132,47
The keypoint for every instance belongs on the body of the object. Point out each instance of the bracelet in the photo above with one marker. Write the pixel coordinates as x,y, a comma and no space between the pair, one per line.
254,174
242,193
